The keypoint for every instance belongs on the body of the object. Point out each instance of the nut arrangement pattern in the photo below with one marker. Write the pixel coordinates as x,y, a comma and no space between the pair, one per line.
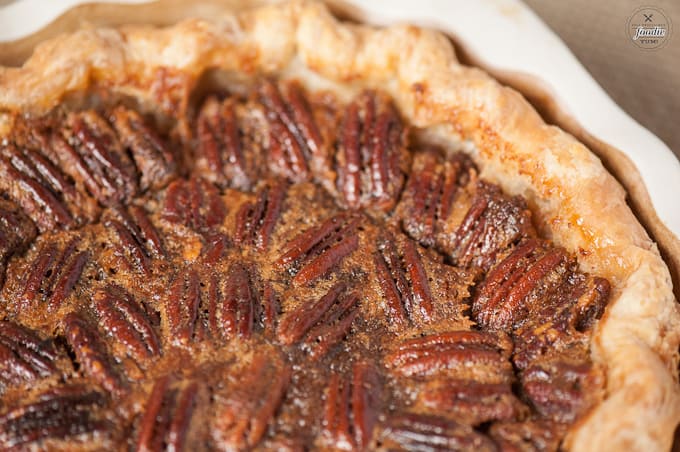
279,270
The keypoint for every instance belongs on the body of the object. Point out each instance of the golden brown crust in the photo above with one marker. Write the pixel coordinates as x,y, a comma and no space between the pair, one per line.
576,202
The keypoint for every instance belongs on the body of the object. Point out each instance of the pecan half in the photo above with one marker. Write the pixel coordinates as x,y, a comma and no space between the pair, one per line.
61,413
33,183
562,310
351,408
504,299
473,355
317,251
232,310
54,272
126,322
434,183
493,223
295,144
255,221
471,402
25,356
17,231
194,203
167,420
411,431
215,248
181,307
321,323
372,154
403,281
220,155
270,309
91,352
48,165
242,418
203,304
89,151
152,156
561,390
138,239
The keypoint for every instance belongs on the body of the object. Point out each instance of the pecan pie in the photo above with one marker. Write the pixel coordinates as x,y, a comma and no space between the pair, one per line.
275,231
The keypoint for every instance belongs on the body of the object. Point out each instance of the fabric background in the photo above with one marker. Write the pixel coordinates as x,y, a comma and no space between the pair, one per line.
645,83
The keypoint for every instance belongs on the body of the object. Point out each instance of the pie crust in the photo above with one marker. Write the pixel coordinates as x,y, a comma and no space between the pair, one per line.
576,203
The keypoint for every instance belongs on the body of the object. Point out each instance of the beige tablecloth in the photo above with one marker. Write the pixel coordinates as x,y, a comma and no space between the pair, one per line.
645,83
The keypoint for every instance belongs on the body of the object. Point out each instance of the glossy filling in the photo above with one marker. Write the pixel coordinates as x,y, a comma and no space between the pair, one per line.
279,270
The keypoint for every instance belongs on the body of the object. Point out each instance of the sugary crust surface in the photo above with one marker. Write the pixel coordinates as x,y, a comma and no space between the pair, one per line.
576,202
